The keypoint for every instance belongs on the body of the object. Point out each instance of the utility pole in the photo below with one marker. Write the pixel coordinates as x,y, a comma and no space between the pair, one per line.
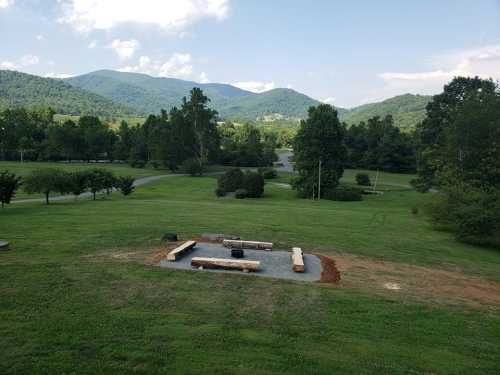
319,179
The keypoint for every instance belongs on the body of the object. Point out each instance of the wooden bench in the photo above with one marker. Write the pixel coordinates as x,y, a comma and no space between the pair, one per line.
180,250
227,264
297,260
238,244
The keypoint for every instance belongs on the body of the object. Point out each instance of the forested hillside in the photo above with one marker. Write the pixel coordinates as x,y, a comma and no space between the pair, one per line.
148,94
29,91
407,110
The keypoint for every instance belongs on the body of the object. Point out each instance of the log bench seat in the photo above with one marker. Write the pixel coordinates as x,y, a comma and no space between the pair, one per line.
227,264
297,260
180,250
256,245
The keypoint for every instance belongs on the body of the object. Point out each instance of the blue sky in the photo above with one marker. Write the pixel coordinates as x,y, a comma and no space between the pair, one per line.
342,52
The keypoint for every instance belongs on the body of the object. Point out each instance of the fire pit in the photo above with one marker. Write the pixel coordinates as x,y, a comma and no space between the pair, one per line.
237,253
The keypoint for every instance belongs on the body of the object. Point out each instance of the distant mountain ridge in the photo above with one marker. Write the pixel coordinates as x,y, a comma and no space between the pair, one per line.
148,94
26,90
111,93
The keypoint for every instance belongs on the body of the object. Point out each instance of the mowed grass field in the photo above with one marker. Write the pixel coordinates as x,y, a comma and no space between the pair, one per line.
76,297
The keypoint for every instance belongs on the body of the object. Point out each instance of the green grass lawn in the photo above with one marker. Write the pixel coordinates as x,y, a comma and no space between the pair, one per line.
68,306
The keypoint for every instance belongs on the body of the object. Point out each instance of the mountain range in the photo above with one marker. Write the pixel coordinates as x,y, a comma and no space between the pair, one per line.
113,93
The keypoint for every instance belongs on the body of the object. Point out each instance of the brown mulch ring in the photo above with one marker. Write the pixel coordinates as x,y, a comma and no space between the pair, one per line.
330,273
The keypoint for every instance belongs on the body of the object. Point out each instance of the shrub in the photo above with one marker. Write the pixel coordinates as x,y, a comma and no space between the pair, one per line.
344,193
241,194
9,183
254,184
232,180
125,184
153,164
193,167
363,179
268,173
414,210
136,163
220,192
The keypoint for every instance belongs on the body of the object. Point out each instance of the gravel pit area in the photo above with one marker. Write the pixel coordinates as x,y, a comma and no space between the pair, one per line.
276,263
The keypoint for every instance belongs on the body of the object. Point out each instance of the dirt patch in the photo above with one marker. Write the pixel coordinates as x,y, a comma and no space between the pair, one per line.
161,253
330,273
422,283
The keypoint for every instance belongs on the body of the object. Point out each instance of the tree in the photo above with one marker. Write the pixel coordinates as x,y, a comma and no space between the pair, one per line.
125,184
441,124
97,181
9,183
202,120
45,181
78,182
320,139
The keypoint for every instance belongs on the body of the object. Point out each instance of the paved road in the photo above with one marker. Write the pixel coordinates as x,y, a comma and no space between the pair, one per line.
139,182
283,159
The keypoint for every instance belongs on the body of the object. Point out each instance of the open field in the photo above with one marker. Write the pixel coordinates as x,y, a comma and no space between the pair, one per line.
77,297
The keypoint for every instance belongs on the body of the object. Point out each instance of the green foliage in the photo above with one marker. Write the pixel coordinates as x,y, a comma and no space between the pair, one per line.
241,194
344,193
78,182
380,145
268,173
47,180
407,111
9,183
193,167
21,89
319,139
98,179
254,184
363,179
471,213
232,180
220,192
125,184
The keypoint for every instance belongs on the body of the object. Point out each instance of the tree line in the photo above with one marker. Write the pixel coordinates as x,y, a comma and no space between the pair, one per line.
54,180
188,135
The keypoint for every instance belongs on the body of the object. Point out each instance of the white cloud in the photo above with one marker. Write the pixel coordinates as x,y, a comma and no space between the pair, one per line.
27,60
204,78
92,44
40,37
125,49
177,66
255,86
483,62
5,3
8,65
330,100
58,75
169,15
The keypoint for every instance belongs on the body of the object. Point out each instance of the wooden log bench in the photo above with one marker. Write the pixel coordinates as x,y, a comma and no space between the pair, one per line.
180,250
256,245
227,264
297,260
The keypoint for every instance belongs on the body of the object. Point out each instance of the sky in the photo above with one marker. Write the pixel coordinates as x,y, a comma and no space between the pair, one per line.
344,53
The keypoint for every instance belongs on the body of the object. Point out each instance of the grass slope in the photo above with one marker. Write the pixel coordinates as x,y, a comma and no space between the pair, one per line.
74,300
26,90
